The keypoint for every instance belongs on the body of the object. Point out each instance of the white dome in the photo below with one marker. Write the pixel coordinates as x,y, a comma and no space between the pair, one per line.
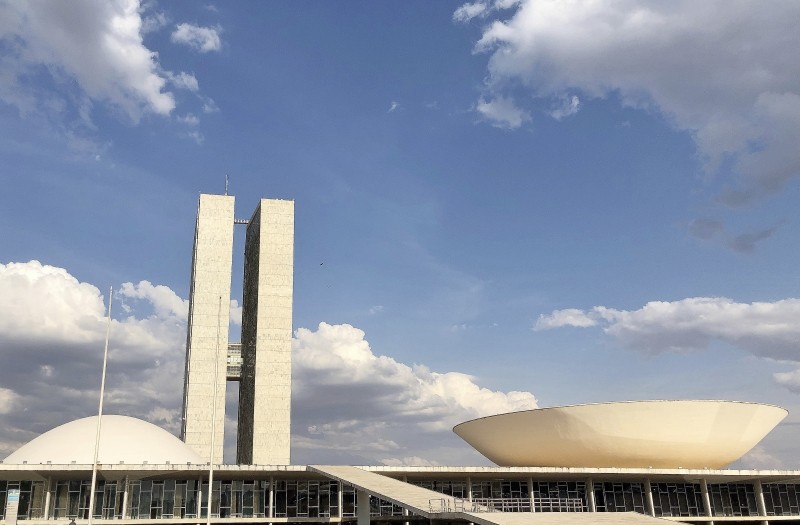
122,439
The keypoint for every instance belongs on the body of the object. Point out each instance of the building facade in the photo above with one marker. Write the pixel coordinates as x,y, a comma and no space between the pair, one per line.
300,494
261,364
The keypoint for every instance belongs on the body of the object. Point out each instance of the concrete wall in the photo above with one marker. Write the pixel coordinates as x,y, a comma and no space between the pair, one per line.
207,334
266,382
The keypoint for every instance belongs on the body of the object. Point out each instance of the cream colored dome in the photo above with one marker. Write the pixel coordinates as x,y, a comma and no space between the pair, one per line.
122,439
658,434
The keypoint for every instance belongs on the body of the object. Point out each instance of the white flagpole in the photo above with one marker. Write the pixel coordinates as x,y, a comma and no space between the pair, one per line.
100,409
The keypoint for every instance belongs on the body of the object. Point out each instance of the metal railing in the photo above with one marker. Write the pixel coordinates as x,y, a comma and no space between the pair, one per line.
506,505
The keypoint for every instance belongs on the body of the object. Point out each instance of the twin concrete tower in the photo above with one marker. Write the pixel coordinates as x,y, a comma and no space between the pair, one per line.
262,363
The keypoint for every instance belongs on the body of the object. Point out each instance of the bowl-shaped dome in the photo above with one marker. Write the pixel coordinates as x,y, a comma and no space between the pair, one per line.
122,439
658,434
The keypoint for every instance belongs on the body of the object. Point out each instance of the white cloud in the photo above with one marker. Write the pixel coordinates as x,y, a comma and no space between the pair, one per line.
348,402
725,73
209,106
196,136
353,401
98,45
789,380
165,302
189,119
567,106
414,461
468,11
759,458
393,106
154,22
236,313
502,112
566,317
52,328
201,39
764,329
7,400
184,80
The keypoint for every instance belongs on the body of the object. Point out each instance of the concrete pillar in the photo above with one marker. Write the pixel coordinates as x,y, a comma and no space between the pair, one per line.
530,494
199,496
590,495
706,499
760,503
405,510
362,503
648,498
271,512
340,500
125,490
47,490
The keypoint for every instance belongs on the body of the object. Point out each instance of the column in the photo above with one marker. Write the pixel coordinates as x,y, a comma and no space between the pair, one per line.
199,497
362,502
530,494
340,499
405,510
648,495
761,505
590,495
271,513
47,490
125,491
706,499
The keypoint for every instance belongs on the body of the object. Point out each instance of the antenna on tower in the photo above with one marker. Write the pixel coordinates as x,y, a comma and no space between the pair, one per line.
226,184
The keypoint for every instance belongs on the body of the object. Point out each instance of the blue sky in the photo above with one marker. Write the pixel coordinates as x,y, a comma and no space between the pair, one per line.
579,203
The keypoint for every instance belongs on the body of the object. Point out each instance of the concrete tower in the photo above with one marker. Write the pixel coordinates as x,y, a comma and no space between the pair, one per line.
266,378
207,333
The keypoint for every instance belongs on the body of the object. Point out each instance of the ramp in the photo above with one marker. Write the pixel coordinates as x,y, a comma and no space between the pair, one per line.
438,506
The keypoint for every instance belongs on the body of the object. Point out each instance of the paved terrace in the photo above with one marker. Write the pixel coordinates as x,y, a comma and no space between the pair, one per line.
437,506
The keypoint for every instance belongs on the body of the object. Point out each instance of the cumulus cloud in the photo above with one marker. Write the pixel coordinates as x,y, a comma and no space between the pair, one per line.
154,22
52,329
98,45
164,300
361,405
502,112
349,403
725,73
184,80
764,329
198,38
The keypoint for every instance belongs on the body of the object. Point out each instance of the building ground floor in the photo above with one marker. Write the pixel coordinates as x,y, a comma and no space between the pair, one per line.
299,494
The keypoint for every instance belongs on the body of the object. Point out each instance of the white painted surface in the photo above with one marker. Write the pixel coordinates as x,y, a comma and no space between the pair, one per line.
207,338
122,439
658,434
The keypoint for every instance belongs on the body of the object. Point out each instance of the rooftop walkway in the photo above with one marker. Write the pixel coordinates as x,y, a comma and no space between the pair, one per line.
437,506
